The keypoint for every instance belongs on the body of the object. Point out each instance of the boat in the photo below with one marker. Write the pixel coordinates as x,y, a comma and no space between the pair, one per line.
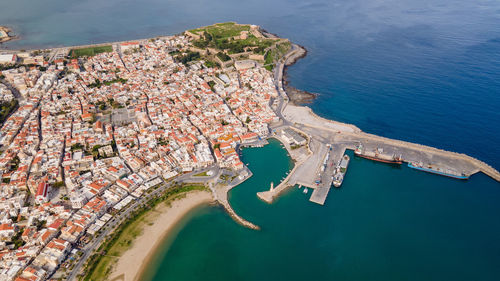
340,171
305,190
378,155
438,171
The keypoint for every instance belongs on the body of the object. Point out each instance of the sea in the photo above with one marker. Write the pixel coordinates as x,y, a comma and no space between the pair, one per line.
421,71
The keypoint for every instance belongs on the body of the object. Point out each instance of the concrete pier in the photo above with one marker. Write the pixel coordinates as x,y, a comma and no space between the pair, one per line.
341,136
321,191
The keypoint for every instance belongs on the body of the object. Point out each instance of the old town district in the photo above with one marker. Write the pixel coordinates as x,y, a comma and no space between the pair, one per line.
92,134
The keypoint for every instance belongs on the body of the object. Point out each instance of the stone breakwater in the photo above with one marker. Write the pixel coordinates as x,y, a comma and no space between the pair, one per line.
220,194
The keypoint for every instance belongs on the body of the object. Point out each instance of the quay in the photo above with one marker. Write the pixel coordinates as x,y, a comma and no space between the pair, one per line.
321,191
320,132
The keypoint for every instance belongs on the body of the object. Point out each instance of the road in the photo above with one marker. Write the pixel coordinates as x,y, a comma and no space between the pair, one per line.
111,226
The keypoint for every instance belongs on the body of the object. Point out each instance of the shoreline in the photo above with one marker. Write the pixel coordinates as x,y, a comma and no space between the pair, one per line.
297,97
146,245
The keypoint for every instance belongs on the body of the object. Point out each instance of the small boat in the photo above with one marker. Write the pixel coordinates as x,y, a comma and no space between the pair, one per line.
341,169
305,190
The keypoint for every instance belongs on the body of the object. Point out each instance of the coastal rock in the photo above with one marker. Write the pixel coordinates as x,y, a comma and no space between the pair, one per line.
4,34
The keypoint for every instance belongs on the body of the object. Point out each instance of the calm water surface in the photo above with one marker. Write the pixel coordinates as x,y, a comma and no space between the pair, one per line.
423,71
385,223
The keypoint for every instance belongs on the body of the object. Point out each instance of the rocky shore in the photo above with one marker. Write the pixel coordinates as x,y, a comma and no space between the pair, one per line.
296,96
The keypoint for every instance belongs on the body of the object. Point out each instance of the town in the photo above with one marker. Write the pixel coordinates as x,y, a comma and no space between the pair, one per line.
92,134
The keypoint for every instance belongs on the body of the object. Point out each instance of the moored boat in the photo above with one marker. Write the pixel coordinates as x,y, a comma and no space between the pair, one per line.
438,171
378,155
340,171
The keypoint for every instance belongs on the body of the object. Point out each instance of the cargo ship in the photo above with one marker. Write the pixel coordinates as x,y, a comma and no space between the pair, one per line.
340,171
438,171
378,155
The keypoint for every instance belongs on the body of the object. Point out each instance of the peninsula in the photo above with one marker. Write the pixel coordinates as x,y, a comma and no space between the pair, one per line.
106,137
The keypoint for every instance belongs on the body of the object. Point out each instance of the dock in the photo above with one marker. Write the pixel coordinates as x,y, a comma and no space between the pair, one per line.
341,136
321,191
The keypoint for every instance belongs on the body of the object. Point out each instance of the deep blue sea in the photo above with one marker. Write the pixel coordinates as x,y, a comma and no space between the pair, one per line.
422,71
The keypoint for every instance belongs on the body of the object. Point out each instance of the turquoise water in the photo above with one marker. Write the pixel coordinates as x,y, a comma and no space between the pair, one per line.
385,223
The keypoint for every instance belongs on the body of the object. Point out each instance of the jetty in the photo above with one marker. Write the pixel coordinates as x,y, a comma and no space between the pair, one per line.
220,195
328,140
321,190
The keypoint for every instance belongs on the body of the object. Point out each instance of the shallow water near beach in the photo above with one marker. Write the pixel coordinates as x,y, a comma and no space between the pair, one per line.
384,223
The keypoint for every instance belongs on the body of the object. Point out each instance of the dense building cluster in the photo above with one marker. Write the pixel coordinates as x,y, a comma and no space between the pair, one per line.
93,134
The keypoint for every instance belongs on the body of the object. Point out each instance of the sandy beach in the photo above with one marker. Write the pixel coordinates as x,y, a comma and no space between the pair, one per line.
132,263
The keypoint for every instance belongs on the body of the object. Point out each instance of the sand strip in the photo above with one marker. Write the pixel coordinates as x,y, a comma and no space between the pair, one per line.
136,259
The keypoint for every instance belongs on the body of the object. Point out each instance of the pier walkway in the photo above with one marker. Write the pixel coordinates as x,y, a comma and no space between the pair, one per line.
321,191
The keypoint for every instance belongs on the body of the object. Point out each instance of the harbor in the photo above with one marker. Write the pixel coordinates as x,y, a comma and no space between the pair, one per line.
327,141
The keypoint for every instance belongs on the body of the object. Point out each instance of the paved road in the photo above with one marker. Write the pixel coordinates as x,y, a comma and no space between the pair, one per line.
109,227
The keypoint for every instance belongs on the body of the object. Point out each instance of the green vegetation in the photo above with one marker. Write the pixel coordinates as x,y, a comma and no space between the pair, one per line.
211,64
90,51
6,108
211,84
222,30
14,163
98,83
189,56
100,264
223,57
275,54
77,146
58,184
226,38
17,240
203,174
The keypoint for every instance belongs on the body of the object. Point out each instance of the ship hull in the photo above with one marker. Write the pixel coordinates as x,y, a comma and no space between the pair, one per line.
397,162
437,172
